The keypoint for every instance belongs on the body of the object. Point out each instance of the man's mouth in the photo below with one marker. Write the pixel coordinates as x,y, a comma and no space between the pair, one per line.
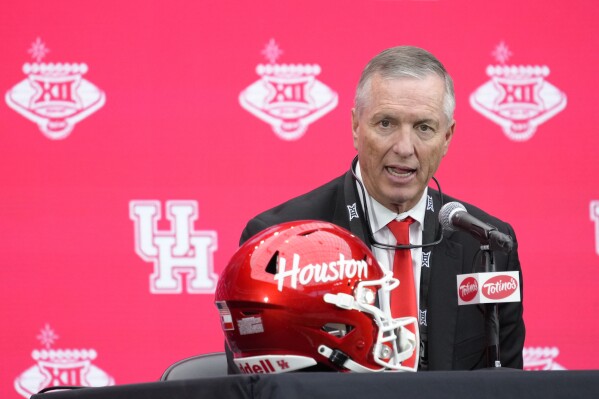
400,172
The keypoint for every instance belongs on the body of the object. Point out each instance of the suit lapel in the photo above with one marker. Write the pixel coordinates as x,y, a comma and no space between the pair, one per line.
348,209
445,263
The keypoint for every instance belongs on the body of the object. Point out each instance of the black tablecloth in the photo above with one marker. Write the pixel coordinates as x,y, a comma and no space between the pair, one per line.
502,383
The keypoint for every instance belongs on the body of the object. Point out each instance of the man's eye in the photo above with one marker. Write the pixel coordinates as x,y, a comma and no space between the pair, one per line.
385,123
425,128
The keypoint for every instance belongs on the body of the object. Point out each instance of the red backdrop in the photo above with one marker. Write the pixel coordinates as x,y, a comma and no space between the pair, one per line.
137,138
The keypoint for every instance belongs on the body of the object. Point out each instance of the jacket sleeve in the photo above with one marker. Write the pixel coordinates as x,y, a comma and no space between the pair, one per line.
253,227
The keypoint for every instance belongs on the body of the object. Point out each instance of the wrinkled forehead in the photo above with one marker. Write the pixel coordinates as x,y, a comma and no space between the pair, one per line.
433,87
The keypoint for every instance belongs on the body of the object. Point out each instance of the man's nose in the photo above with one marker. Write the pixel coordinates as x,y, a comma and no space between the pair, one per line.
403,142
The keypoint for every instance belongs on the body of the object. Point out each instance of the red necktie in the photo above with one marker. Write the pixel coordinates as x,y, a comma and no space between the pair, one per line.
403,298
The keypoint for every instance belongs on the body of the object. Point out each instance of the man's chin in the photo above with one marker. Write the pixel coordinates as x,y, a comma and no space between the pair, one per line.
403,201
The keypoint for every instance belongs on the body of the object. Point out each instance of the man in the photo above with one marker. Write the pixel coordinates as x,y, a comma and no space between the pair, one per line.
402,127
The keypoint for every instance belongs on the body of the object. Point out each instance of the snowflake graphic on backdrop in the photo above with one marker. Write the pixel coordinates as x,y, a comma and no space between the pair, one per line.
38,50
47,336
272,51
502,53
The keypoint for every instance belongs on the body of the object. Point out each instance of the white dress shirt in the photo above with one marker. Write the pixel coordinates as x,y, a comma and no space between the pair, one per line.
380,216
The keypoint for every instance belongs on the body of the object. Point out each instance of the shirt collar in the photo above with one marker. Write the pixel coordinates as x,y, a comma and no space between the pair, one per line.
380,216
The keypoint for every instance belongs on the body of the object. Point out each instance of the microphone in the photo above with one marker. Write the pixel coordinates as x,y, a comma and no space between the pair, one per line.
454,216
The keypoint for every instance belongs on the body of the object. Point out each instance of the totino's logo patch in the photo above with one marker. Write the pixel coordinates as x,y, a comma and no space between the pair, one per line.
499,287
468,289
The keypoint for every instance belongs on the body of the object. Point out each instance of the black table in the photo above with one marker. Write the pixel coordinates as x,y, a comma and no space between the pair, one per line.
496,383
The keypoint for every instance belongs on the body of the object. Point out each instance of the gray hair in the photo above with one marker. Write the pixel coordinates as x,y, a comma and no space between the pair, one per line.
403,62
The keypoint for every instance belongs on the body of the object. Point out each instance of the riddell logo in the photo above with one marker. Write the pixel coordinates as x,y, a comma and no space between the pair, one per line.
468,289
288,97
263,366
55,96
518,98
499,287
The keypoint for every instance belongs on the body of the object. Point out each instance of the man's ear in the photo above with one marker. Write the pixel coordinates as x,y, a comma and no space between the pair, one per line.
448,137
354,124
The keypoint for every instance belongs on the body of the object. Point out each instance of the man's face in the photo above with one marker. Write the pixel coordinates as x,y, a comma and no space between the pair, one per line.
401,134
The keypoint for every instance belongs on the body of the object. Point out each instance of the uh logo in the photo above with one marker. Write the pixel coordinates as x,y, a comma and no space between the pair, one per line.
181,256
55,96
517,98
288,97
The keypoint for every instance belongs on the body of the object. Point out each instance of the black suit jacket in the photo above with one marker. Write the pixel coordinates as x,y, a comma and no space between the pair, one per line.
456,336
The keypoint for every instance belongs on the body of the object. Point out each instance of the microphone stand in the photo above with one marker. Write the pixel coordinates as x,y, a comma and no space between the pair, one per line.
491,312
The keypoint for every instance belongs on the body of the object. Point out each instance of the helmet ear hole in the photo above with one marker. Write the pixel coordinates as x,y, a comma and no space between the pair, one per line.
251,313
338,330
307,232
271,266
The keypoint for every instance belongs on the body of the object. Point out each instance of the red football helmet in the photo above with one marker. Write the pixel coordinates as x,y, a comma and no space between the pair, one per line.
302,294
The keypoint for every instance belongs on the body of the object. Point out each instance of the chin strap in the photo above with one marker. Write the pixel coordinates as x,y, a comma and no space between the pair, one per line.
407,342
341,359
408,339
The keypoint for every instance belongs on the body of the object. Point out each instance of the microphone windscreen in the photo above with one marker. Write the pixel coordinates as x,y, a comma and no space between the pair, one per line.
446,213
